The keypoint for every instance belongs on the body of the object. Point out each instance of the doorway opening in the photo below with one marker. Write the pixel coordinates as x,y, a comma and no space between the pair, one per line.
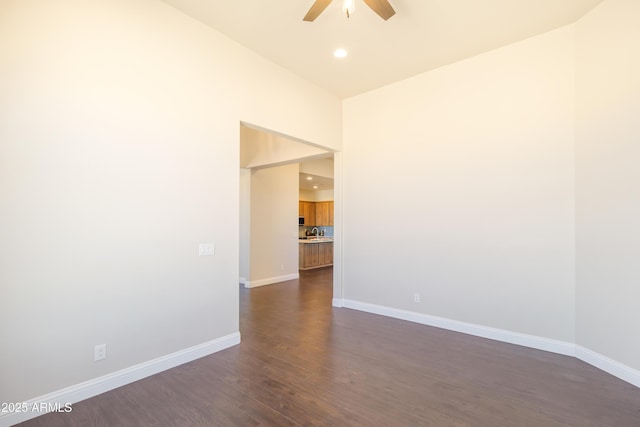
272,166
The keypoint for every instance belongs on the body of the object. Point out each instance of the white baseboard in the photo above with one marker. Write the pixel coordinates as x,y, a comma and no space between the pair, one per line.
243,280
76,393
337,302
270,280
617,369
503,335
599,361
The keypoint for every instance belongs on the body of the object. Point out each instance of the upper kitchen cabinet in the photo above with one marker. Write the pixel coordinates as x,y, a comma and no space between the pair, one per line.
316,213
308,211
324,213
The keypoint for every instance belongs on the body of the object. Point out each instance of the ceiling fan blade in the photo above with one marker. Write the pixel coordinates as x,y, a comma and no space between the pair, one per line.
316,9
381,7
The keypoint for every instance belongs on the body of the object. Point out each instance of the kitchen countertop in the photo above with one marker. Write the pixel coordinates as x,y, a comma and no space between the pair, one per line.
317,240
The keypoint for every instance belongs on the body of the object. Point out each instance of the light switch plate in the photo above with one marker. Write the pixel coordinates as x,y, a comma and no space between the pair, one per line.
206,249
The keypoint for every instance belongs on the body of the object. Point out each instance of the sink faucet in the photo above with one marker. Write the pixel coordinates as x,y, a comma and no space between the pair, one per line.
316,231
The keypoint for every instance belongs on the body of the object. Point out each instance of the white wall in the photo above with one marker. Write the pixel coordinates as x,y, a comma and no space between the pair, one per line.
119,153
259,149
607,181
316,195
245,223
274,225
459,185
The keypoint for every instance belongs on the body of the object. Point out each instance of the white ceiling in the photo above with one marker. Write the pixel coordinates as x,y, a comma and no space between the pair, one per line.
423,35
322,182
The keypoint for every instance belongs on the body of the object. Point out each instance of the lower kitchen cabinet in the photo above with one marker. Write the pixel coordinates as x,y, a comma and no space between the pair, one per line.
325,253
311,255
314,255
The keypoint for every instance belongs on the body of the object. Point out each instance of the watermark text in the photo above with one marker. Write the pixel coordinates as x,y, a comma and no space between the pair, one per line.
37,407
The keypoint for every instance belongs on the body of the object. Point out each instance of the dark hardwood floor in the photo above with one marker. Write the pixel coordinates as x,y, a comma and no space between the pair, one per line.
302,362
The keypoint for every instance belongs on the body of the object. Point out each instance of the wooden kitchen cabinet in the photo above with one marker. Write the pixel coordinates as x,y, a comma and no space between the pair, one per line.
315,255
325,253
316,213
308,211
324,213
311,255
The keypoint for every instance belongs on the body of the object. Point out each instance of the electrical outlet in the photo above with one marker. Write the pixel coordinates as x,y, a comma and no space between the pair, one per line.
206,249
100,352
416,297
281,267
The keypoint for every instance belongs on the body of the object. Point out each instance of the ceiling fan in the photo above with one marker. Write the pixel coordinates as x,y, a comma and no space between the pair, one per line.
381,7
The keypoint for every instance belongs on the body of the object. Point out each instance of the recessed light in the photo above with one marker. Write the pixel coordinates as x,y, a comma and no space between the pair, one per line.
309,178
315,186
340,53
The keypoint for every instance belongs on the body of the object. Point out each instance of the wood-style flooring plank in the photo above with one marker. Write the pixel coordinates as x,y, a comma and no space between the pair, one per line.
303,363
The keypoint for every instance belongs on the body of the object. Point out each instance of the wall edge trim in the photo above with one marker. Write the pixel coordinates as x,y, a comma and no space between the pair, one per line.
610,366
606,364
96,386
503,335
270,280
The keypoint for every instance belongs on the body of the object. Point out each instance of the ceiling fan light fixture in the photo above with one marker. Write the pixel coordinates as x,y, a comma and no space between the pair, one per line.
348,7
381,7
